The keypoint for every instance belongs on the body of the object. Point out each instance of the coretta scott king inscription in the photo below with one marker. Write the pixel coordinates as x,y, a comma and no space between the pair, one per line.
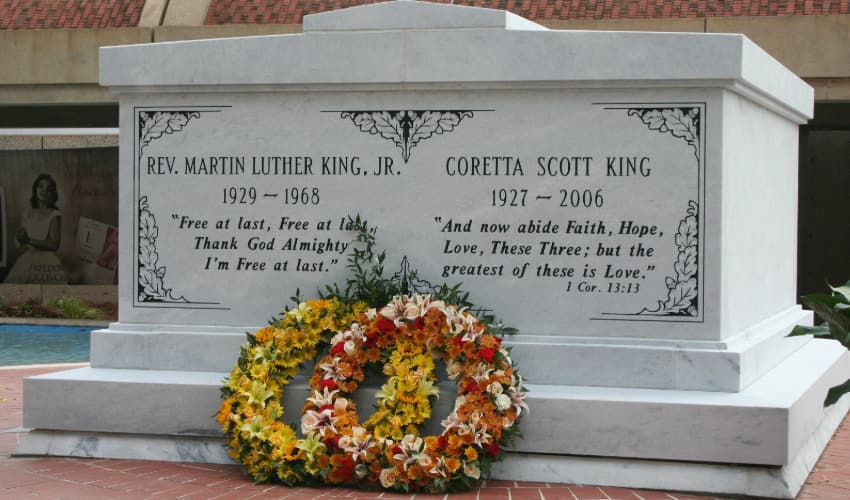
562,205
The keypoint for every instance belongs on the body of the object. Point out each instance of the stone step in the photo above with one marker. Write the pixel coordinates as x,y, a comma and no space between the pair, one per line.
727,366
166,347
765,424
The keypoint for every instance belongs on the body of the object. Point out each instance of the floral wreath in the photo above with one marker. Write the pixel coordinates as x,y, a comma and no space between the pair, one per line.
404,337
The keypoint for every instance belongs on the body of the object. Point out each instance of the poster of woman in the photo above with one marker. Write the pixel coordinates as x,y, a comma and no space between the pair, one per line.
59,204
39,236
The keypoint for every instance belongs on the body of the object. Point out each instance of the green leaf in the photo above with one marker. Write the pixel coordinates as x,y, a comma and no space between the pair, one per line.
839,324
818,331
819,298
836,392
843,291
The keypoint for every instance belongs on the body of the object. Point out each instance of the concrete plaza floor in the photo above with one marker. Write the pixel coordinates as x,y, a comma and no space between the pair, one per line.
83,478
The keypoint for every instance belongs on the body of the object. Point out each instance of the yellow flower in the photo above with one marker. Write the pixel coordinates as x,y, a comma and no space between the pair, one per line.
291,453
427,389
274,411
387,392
259,370
287,475
256,428
259,393
312,444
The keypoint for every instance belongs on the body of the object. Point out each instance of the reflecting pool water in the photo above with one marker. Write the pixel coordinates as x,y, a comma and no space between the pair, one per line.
37,344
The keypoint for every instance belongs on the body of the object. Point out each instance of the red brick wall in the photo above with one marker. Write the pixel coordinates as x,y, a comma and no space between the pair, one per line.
291,11
39,14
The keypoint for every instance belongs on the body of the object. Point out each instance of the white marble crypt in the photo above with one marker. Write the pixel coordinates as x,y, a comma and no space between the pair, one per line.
652,321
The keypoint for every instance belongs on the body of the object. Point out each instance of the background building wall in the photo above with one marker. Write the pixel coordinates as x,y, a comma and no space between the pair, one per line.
84,168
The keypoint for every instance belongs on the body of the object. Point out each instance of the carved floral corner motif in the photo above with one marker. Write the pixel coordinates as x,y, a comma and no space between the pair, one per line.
155,124
151,284
683,123
406,128
683,287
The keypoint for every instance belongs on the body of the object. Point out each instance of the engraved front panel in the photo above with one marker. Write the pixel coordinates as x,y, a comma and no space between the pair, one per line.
557,209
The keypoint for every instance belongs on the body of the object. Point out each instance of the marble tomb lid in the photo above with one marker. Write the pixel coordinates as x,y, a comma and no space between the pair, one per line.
414,44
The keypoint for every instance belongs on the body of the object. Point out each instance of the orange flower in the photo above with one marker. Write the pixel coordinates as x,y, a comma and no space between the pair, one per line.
432,444
224,412
415,472
455,444
421,337
452,464
265,334
471,454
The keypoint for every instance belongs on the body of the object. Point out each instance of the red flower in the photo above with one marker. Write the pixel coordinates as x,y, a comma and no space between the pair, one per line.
419,323
332,442
346,468
329,384
371,340
472,387
457,340
492,449
443,441
385,325
338,348
487,354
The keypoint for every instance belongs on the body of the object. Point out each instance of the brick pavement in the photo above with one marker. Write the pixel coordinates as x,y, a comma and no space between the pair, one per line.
81,478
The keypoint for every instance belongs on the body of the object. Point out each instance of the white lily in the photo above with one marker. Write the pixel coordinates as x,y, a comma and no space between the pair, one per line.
450,422
325,398
358,444
332,370
439,467
482,372
517,395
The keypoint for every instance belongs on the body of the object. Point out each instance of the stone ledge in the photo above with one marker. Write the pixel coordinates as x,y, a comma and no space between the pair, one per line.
54,322
57,138
777,414
89,293
726,479
123,446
